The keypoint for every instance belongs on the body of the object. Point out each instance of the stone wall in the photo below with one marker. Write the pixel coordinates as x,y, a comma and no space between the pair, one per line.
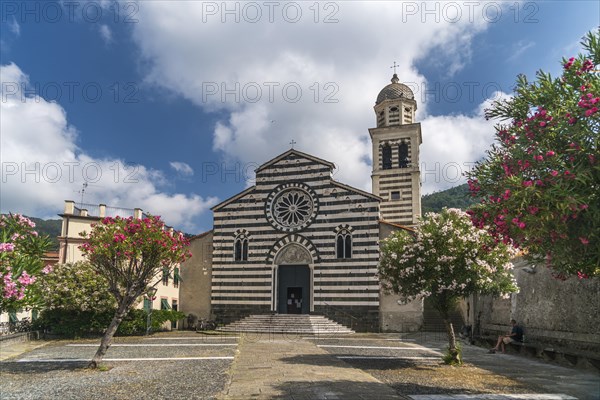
196,278
399,316
395,315
561,313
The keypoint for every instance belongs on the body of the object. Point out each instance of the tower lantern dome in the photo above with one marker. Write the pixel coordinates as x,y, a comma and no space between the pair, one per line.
394,91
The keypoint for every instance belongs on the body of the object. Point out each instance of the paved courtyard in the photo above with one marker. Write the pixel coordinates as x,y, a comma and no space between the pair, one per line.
262,366
175,366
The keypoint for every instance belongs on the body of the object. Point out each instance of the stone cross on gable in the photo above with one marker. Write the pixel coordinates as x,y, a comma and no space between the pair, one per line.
293,142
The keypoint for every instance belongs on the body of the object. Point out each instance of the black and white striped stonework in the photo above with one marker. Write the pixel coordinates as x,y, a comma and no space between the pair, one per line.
320,209
397,179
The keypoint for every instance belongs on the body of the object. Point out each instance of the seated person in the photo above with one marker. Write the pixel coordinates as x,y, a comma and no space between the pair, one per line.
515,335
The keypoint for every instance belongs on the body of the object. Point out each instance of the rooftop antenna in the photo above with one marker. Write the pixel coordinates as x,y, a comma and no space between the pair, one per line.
82,192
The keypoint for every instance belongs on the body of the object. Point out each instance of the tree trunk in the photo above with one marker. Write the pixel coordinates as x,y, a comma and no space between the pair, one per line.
452,349
110,332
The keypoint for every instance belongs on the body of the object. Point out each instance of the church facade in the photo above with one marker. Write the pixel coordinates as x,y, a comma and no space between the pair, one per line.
299,242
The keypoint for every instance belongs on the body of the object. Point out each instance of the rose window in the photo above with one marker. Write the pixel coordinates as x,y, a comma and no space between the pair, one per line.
291,207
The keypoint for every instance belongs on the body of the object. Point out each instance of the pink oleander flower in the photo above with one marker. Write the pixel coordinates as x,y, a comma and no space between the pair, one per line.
47,269
6,247
533,210
10,287
584,241
26,279
569,63
550,153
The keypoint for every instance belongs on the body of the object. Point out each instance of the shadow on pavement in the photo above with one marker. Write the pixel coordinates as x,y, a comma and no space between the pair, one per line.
40,367
343,389
432,389
332,360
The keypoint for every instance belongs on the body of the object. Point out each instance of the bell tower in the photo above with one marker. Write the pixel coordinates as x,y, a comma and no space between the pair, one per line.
396,140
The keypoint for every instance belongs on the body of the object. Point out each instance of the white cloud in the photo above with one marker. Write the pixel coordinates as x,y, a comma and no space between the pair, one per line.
346,62
519,48
182,168
453,144
105,33
14,27
42,165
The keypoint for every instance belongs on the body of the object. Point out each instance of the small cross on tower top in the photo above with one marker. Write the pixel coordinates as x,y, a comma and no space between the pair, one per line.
394,66
292,143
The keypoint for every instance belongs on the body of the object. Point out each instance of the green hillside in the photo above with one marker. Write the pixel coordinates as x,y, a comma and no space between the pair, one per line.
50,227
456,197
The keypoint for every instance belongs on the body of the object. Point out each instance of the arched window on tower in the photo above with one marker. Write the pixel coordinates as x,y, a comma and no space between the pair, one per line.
386,156
381,119
403,155
407,115
240,248
343,244
394,115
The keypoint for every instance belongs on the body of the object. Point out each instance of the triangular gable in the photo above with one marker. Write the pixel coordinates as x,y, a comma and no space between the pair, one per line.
297,153
355,190
233,198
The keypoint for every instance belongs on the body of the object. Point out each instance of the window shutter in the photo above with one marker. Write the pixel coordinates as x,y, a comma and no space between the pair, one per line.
165,276
164,304
12,317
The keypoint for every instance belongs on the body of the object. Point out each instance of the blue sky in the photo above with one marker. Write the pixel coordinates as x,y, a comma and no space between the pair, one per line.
135,102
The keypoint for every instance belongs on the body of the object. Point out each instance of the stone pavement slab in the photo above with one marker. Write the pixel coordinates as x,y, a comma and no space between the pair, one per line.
277,367
161,367
555,380
16,349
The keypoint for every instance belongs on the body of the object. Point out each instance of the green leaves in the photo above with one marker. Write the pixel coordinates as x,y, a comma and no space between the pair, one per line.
547,157
132,253
446,258
76,287
21,252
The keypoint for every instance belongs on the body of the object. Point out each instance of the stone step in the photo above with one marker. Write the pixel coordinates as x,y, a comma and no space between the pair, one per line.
286,323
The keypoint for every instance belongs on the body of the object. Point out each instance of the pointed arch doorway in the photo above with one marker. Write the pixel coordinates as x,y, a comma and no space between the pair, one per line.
293,280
